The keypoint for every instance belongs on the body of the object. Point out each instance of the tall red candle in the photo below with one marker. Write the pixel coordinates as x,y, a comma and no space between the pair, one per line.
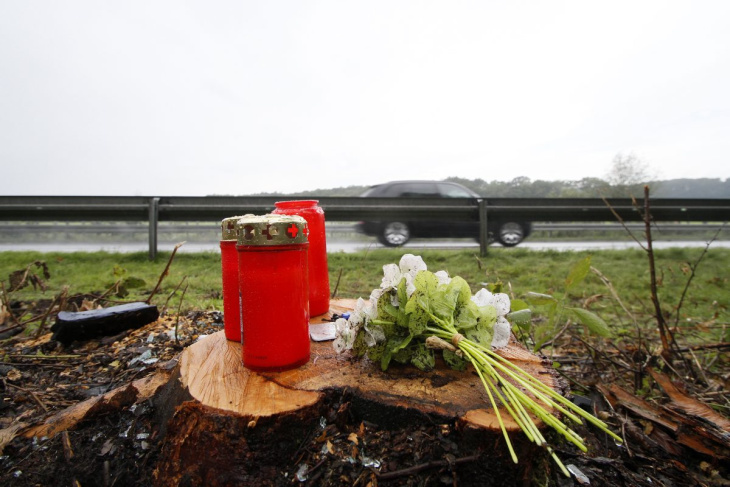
229,274
319,281
272,260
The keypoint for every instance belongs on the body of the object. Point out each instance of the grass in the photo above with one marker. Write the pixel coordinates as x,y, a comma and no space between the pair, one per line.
705,309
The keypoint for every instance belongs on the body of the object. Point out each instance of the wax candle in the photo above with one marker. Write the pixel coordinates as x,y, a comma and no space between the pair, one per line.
319,281
272,260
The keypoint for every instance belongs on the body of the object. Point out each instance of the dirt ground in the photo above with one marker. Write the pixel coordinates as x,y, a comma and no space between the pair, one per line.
119,446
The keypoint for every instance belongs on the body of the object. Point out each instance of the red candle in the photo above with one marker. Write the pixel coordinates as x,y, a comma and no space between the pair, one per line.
272,260
319,281
229,272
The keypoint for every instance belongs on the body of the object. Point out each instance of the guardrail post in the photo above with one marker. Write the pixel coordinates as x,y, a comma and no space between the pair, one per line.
152,224
483,233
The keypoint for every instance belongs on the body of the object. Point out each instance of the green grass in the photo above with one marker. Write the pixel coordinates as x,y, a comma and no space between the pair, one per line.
521,270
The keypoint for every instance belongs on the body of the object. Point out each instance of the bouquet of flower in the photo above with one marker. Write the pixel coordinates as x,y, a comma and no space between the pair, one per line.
416,313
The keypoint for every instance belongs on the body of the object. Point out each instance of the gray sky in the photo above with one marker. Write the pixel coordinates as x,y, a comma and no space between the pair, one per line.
238,97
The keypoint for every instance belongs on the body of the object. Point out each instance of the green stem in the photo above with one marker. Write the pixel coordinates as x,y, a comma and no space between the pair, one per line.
496,411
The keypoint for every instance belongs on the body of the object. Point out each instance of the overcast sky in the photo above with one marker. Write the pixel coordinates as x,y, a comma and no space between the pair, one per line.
163,98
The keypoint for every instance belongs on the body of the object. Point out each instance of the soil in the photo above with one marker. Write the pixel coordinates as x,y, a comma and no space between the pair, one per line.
345,446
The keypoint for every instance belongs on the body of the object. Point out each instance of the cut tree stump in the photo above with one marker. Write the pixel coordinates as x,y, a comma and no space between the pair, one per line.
227,425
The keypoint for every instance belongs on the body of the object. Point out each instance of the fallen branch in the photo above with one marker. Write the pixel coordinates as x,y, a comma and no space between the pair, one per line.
164,273
423,466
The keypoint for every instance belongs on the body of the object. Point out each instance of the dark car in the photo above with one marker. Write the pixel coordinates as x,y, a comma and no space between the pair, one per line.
397,233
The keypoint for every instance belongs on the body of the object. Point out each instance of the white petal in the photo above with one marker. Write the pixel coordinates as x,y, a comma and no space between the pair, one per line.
410,287
482,297
341,325
501,333
371,310
358,314
443,277
391,276
412,264
339,345
501,302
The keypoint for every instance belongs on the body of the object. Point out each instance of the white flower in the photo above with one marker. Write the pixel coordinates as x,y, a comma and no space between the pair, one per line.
391,276
412,264
345,335
501,331
364,311
501,303
443,277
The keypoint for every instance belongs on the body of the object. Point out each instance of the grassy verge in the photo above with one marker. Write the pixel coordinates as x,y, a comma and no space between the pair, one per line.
356,274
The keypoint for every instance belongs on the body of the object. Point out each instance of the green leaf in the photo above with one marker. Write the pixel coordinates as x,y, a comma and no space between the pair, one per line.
459,283
578,273
402,293
454,361
482,334
426,282
487,315
521,318
466,316
518,305
540,299
423,358
592,321
134,282
386,310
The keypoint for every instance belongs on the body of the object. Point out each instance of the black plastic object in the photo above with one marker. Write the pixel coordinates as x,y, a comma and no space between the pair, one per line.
85,325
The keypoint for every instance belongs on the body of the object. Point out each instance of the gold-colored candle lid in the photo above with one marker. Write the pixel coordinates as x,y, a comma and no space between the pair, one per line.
271,230
228,227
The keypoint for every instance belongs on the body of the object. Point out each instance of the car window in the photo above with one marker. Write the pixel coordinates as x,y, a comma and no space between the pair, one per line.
409,190
451,191
418,190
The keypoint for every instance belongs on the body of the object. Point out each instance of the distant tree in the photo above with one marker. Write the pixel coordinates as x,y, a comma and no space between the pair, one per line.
627,176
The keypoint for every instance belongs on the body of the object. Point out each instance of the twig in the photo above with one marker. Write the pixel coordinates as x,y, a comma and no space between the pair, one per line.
693,269
164,273
337,284
44,357
177,322
659,315
68,451
710,346
423,466
557,335
622,222
33,395
164,307
56,299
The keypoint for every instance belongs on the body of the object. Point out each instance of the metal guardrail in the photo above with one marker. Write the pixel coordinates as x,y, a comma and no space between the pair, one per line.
214,208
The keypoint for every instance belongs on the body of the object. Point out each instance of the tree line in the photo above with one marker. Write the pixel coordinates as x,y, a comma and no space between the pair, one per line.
524,187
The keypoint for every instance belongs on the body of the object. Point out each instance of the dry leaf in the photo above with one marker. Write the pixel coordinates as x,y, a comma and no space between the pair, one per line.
14,374
7,434
353,438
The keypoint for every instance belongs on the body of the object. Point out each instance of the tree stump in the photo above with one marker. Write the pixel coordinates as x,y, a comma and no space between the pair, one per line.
227,425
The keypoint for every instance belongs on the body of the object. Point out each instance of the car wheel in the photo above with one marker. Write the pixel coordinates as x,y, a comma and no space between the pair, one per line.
394,234
510,234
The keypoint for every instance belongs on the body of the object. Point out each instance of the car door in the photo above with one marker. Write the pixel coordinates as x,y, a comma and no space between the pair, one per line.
419,189
455,228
